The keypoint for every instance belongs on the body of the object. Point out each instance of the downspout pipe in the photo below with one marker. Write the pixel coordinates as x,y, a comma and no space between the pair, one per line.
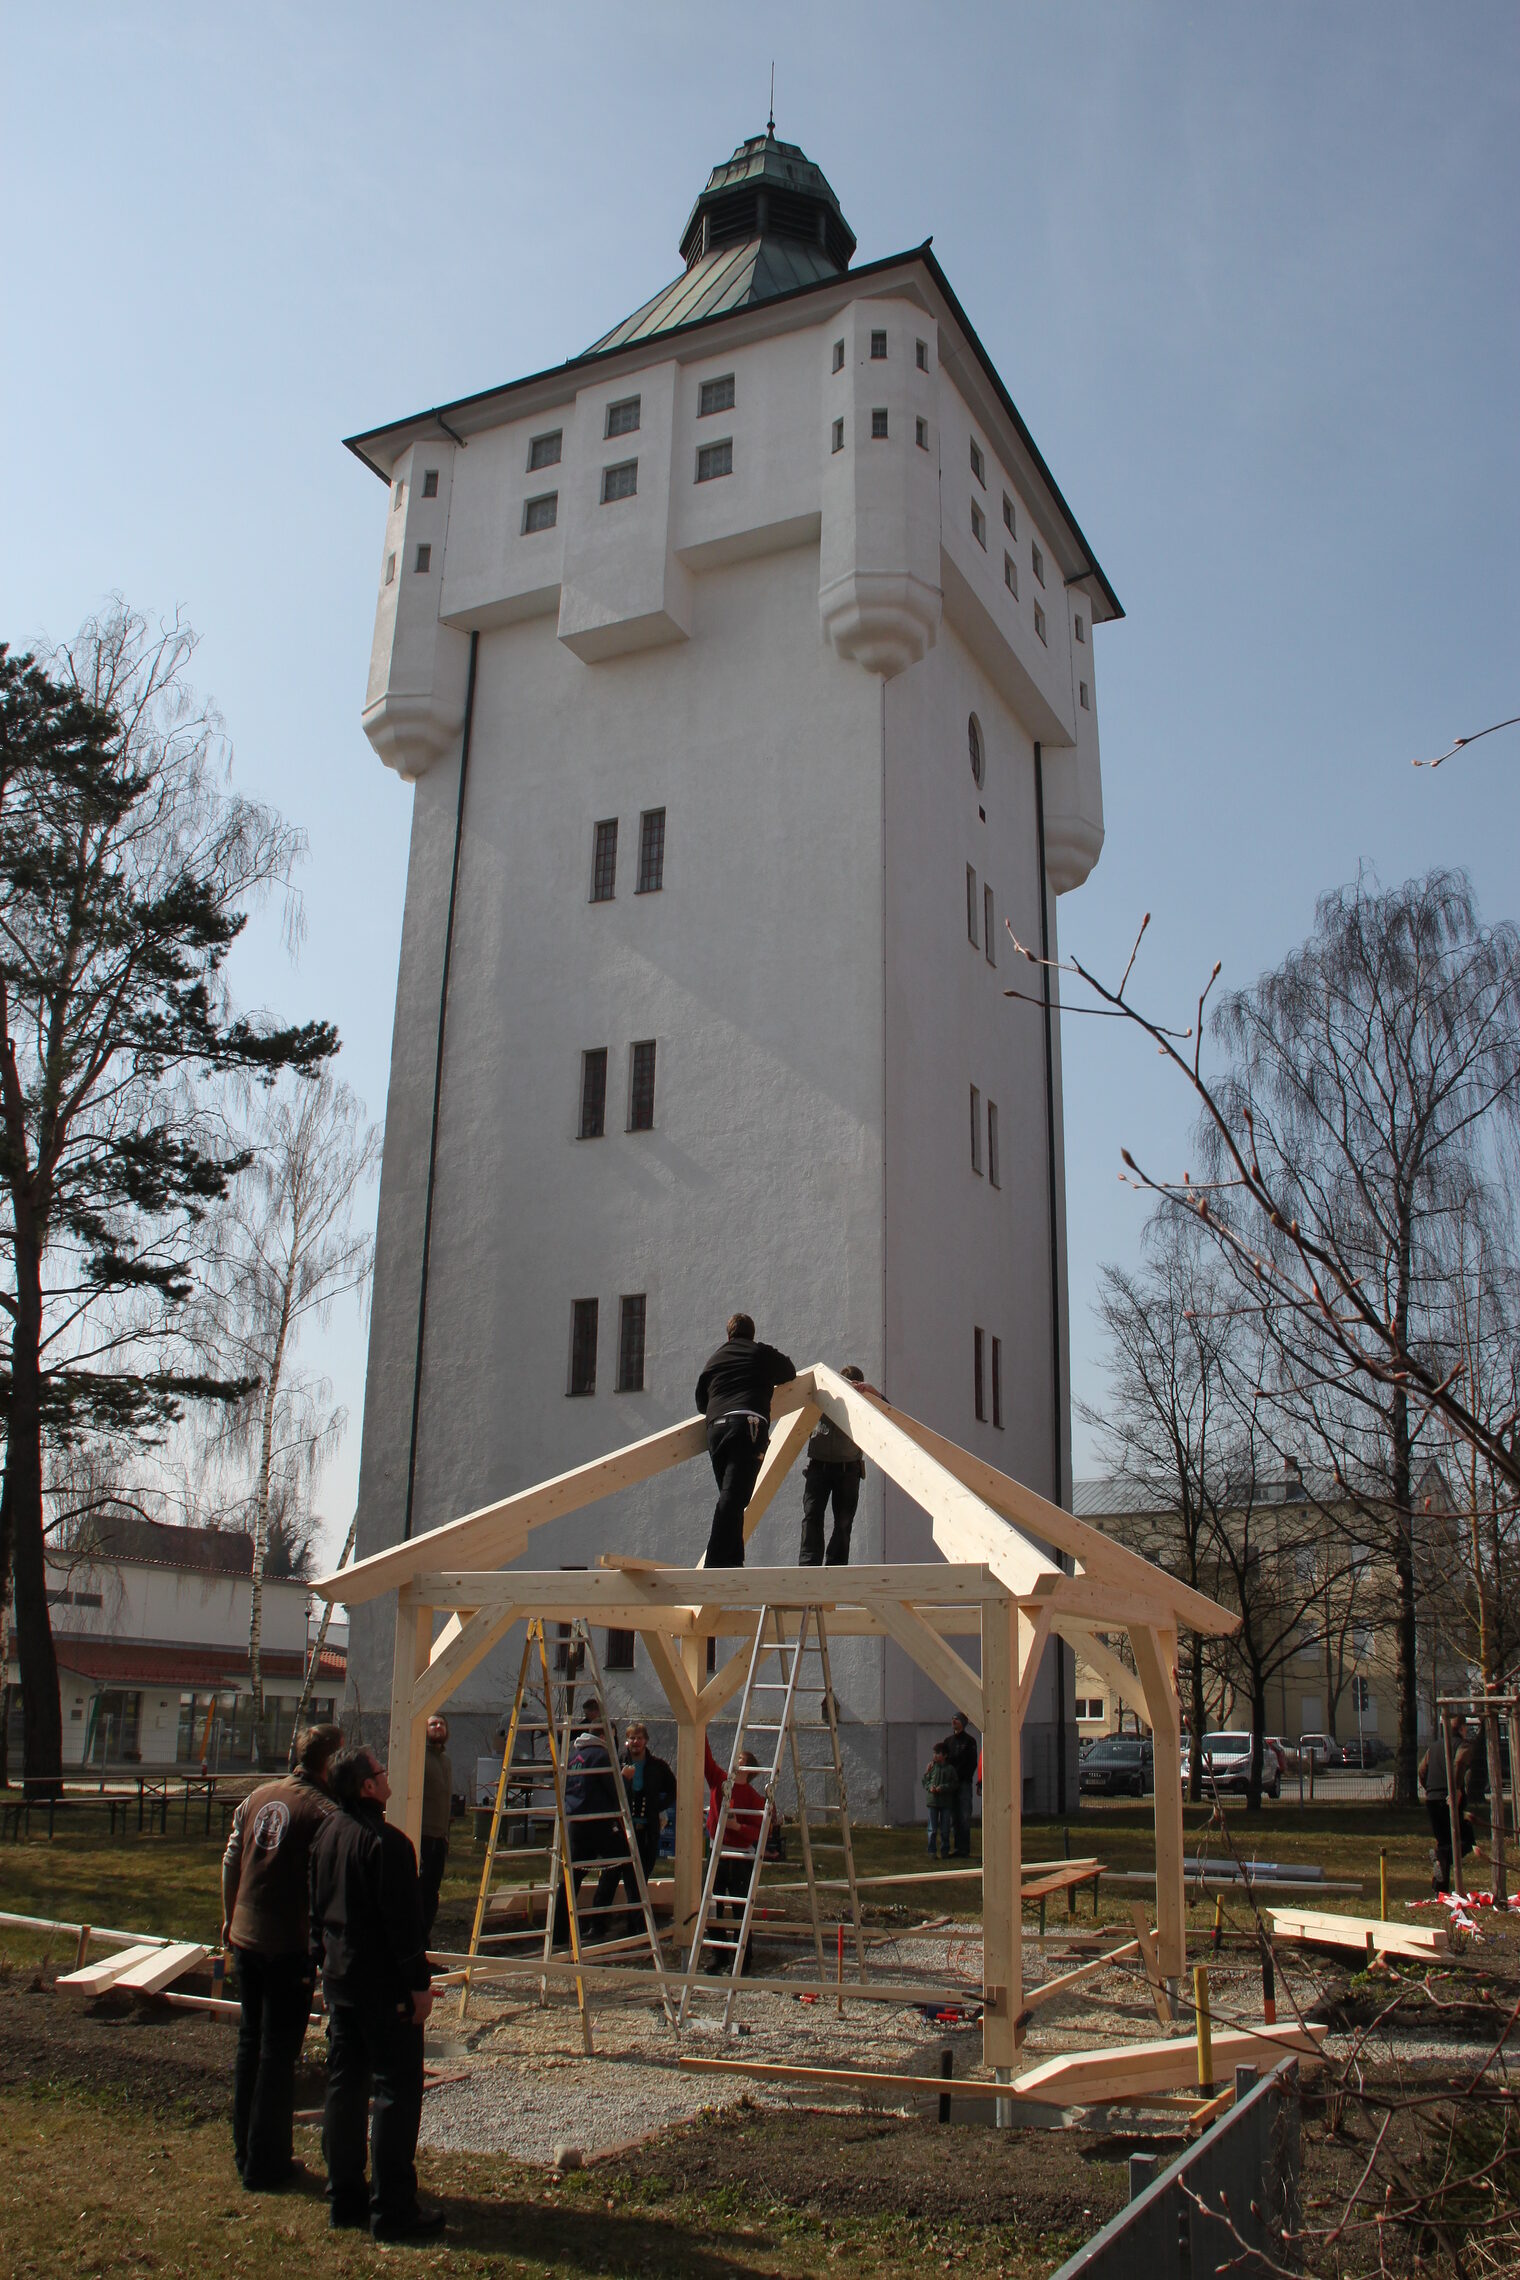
1053,1203
443,1015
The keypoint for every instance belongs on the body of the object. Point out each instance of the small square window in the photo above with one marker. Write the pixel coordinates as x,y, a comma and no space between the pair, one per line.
978,1344
989,926
1010,523
604,861
620,482
715,459
994,1178
544,450
837,443
997,1383
1079,627
424,559
878,347
971,909
1039,621
593,1124
620,1644
978,524
978,463
715,396
839,356
1083,698
623,417
583,1313
1011,575
390,569
651,852
430,483
878,423
630,1376
921,349
921,434
541,513
976,1131
641,1086
1037,562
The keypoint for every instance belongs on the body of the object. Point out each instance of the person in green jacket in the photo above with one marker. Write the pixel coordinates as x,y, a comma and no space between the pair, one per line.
941,1781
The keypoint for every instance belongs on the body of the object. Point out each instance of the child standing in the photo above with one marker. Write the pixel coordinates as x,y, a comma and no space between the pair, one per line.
941,1781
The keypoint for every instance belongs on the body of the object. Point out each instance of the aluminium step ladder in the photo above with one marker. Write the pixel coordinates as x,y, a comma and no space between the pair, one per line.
531,1803
789,1675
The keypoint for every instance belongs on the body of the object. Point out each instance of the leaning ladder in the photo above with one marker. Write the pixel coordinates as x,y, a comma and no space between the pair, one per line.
823,1821
523,1782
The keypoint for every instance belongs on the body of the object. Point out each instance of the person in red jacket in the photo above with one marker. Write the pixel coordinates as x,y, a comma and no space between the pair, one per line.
745,1832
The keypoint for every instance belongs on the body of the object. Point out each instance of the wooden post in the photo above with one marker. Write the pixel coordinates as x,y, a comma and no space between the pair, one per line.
1156,1661
1002,1848
691,1797
408,1734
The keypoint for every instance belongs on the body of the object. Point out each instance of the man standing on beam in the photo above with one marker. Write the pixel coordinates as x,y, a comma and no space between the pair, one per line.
734,1392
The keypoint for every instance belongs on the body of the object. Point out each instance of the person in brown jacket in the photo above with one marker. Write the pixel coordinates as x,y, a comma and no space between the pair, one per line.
264,1921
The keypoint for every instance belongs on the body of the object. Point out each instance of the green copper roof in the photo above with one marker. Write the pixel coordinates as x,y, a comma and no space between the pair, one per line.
766,224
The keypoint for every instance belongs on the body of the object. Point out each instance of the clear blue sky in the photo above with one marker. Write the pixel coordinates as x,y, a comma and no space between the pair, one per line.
1250,274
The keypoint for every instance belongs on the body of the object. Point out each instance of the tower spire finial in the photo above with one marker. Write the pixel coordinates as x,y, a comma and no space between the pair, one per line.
770,124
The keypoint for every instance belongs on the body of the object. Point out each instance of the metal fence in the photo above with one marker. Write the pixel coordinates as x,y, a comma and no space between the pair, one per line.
1223,2207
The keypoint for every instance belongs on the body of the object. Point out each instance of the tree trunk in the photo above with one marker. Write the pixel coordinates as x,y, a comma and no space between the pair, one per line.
1198,1714
1258,1739
315,1656
41,1718
261,1528
1405,1786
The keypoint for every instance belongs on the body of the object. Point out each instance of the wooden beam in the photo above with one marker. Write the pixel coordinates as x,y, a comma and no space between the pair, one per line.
955,1679
1316,1927
93,1978
726,1681
1156,1661
1100,1603
1116,1676
1049,1988
456,1653
1034,1630
611,1593
159,1970
408,1733
1150,1957
782,1452
671,1674
844,2077
1002,1839
1128,2070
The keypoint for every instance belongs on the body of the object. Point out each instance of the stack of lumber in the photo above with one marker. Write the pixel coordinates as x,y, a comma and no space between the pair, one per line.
1118,2072
1316,1927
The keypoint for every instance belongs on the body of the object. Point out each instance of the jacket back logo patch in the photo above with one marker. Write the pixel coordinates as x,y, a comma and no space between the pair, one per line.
270,1825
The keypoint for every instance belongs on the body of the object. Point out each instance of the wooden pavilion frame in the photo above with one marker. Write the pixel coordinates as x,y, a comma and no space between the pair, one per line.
1002,1581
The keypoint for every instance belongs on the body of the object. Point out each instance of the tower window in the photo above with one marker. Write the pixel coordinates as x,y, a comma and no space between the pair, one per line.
623,417
878,423
1011,574
604,861
976,1131
651,852
541,513
921,434
430,483
1037,562
978,1343
878,347
1083,699
544,450
715,459
971,912
1009,522
641,1086
397,495
424,559
630,1374
922,351
997,1383
978,525
978,463
839,356
838,441
989,926
715,396
1079,627
1039,622
994,1178
583,1313
390,569
620,482
976,749
593,1093
620,1645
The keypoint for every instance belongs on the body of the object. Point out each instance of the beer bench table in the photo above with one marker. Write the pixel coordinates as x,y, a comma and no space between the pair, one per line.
1066,1876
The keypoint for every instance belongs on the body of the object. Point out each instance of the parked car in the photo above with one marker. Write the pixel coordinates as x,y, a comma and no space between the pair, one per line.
1366,1751
1319,1750
1284,1752
1119,1766
1227,1765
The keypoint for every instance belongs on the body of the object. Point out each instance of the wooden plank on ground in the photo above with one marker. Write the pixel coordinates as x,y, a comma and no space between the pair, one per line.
162,1968
96,1977
843,2077
1317,1927
1115,2071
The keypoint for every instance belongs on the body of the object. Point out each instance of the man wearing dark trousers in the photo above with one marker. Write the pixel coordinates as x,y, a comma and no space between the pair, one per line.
651,1787
366,1934
264,1923
437,1815
734,1392
961,1750
597,1837
835,1470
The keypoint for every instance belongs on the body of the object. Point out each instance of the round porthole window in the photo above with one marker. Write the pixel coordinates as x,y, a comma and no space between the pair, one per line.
978,756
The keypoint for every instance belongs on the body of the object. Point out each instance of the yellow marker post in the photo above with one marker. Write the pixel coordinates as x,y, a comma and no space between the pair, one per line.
1205,2028
1383,1882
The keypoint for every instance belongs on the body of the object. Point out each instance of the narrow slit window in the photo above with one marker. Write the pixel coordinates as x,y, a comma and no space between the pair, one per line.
994,1177
424,559
544,450
976,1131
715,396
978,1366
921,434
1083,696
921,350
641,1086
593,1093
398,495
619,1650
715,459
978,463
1011,575
623,417
838,436
1080,627
604,861
989,926
651,852
630,1377
1039,623
978,526
1010,521
620,482
541,513
390,569
878,347
997,1383
879,423
1037,562
430,483
971,910
583,1312
977,750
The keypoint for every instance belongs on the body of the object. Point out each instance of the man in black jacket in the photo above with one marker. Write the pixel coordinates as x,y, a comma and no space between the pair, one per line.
734,1392
597,1837
835,1469
651,1787
367,1940
961,1750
